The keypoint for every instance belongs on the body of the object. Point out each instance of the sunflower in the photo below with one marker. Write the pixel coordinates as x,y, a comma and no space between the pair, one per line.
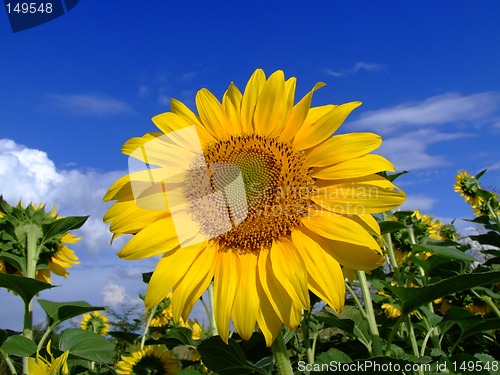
155,359
96,322
255,194
54,256
467,185
42,366
391,311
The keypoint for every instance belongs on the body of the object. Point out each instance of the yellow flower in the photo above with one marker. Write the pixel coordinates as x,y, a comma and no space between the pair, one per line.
467,185
256,194
391,311
42,366
96,322
154,359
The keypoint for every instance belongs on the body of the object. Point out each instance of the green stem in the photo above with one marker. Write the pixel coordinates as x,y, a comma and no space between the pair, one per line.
390,338
9,363
372,323
356,300
307,342
46,335
213,323
280,355
32,252
150,318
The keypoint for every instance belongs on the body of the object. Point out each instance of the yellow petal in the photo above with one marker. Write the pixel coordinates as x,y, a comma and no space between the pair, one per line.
358,199
212,114
348,254
246,303
325,275
188,290
226,281
340,148
267,319
171,268
120,215
311,134
232,103
249,100
157,238
298,115
278,297
362,166
269,107
181,117
339,228
290,270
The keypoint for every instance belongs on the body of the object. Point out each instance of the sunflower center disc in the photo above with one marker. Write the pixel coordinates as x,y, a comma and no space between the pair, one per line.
266,191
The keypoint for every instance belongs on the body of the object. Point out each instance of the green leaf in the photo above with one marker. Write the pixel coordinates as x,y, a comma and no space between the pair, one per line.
332,355
61,226
87,345
189,371
445,252
19,346
225,358
390,226
61,311
412,298
487,325
173,337
331,320
490,238
128,337
25,287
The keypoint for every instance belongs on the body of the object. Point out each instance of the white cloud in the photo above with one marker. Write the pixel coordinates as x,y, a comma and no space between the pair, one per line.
88,104
113,294
408,151
436,110
359,66
418,201
30,175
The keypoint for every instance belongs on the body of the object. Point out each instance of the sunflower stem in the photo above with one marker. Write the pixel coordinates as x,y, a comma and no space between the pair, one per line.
306,337
213,323
9,363
33,233
280,355
356,300
150,318
372,323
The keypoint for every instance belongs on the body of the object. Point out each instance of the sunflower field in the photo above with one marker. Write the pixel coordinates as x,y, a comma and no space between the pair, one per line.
288,234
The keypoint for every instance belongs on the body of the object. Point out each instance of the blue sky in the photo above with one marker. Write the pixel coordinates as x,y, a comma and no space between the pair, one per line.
75,89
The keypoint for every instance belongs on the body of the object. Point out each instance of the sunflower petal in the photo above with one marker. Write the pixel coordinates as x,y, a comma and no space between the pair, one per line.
189,289
171,268
358,199
231,101
338,227
362,166
290,270
269,107
298,115
325,275
246,303
157,238
312,134
340,148
212,114
226,281
249,100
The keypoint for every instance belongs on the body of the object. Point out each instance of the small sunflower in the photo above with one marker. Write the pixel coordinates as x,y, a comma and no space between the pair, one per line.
96,322
255,194
467,185
53,257
154,359
391,311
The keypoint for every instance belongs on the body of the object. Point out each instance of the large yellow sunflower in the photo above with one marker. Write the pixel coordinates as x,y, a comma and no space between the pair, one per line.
255,194
95,322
